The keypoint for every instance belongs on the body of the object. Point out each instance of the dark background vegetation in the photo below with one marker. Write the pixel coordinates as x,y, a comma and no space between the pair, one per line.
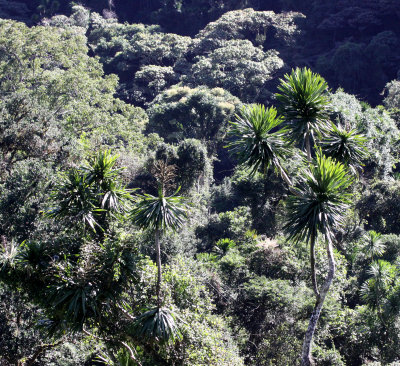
160,81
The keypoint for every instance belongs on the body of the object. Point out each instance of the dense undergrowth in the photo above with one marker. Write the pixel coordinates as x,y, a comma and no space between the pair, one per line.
116,141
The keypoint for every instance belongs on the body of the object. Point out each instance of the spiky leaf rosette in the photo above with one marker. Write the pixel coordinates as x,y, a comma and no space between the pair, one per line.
103,174
346,146
75,200
376,288
373,245
304,103
92,194
158,324
160,212
257,139
321,201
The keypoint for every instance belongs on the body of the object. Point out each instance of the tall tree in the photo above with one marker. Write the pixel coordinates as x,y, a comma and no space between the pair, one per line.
345,145
258,139
318,208
304,104
159,213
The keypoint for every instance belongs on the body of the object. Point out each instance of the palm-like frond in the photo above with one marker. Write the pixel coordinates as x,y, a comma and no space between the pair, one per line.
116,200
321,200
74,302
374,290
104,176
158,324
304,104
160,212
92,194
373,246
75,200
256,138
346,146
32,254
101,168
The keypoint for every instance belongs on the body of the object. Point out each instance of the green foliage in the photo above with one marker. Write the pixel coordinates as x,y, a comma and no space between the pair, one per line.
304,103
225,244
151,80
22,196
264,28
161,212
349,64
158,325
53,93
92,195
193,165
237,67
391,244
271,310
346,146
379,207
256,140
200,113
376,125
373,246
261,193
321,201
376,289
392,99
81,271
227,225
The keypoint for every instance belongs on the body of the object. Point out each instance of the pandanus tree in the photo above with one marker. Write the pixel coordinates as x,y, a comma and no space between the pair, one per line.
345,145
88,200
318,208
258,139
373,246
89,197
79,275
318,205
304,103
159,214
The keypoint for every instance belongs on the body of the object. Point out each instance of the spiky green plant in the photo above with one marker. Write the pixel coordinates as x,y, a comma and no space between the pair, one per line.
159,213
346,146
319,207
376,288
258,139
321,202
304,103
373,246
158,324
75,200
92,194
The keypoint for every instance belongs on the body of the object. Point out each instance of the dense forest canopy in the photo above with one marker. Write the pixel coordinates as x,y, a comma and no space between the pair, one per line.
199,182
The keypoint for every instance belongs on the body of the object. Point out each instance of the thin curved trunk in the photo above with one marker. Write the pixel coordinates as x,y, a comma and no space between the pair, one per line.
306,359
288,181
158,261
285,177
312,262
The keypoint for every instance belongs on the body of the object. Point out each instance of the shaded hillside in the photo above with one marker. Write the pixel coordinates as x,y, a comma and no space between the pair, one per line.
353,44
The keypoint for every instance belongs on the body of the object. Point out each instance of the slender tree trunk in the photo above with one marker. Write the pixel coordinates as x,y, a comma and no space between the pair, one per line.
306,359
285,177
288,181
308,147
312,262
158,260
